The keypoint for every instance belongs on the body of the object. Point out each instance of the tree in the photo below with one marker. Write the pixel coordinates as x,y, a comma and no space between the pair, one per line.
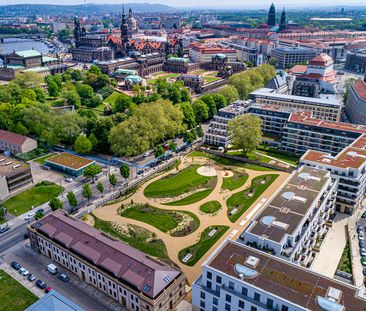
40,94
199,131
209,101
245,132
230,93
272,61
85,92
56,204
124,169
87,192
28,80
173,146
159,151
220,101
112,180
122,103
72,98
72,199
39,215
53,89
200,110
91,171
93,140
100,187
82,144
189,137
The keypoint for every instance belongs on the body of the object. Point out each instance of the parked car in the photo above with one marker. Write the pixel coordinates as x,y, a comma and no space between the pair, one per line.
15,265
146,154
363,260
361,243
31,277
63,277
4,229
51,268
361,237
363,252
30,216
41,284
69,179
23,271
359,228
363,215
47,289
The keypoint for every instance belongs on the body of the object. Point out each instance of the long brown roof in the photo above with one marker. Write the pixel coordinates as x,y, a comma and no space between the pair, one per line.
119,259
12,138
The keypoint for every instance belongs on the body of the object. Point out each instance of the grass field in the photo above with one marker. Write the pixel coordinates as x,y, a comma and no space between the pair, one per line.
210,207
112,98
228,162
193,198
209,79
13,295
167,76
203,245
164,220
35,196
42,160
177,184
234,182
242,200
287,157
137,237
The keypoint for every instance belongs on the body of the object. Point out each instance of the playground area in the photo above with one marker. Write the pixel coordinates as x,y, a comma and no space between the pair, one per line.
189,210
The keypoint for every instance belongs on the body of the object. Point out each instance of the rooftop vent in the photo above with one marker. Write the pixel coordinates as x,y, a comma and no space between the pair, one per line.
252,261
16,166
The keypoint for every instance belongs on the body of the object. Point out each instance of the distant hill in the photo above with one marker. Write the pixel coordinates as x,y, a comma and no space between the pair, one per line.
50,9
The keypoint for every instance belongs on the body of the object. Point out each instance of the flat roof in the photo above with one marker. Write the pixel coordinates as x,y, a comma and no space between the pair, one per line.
270,93
10,166
120,260
281,278
69,160
283,212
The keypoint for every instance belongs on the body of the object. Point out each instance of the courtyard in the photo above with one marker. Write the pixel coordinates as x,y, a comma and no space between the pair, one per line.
179,215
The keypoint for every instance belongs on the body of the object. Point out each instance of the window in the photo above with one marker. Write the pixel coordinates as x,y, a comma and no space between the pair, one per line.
284,308
231,285
218,279
269,303
227,307
214,308
257,297
241,304
202,304
215,301
209,275
252,308
228,298
203,295
244,291
209,284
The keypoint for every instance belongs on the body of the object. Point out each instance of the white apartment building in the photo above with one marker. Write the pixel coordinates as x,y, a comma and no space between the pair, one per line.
240,278
298,215
134,279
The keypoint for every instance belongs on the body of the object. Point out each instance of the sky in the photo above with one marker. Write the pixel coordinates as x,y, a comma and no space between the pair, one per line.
202,3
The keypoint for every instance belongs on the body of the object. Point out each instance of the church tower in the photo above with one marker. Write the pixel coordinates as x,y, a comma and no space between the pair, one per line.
77,31
124,34
272,16
282,25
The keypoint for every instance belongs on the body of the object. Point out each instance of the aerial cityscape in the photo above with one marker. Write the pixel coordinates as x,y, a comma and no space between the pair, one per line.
196,156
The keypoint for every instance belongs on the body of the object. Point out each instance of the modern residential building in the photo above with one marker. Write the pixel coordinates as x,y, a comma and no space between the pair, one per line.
16,143
217,133
69,163
240,278
13,174
137,281
355,107
322,108
297,216
287,56
356,60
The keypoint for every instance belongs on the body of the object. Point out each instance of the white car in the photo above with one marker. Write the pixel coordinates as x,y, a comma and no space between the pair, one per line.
30,215
146,154
23,271
69,179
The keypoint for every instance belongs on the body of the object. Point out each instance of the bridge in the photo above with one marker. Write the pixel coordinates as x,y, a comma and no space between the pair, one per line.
22,36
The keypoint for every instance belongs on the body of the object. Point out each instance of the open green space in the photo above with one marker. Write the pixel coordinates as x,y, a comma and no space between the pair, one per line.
13,295
164,77
251,156
228,162
345,263
42,160
209,79
193,198
235,181
242,200
176,184
138,237
210,207
164,220
35,196
112,98
287,157
203,245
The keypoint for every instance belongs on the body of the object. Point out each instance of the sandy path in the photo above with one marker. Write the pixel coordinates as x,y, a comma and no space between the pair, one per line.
175,244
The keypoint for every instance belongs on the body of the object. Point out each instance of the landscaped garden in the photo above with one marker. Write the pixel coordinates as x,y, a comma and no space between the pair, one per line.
239,202
13,295
210,207
193,198
345,263
288,157
235,181
33,197
179,183
175,223
136,236
190,255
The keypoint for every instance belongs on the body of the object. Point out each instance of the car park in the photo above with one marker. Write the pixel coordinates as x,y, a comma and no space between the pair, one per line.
15,265
31,277
40,284
63,277
23,271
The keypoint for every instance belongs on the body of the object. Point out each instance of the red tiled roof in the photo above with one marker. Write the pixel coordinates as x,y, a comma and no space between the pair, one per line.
13,138
321,60
298,69
360,88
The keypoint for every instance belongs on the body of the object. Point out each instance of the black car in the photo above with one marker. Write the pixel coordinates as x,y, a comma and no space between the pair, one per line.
63,277
4,229
15,265
41,284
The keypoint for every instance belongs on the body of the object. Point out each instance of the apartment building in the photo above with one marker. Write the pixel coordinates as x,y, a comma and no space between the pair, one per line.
240,278
297,216
16,143
137,281
287,56
217,133
355,107
322,108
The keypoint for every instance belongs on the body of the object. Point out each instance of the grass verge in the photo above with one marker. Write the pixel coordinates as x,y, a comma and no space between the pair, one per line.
210,207
203,245
345,263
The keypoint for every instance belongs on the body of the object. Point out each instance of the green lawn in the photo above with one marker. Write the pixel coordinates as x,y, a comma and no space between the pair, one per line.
35,196
35,153
228,162
193,198
242,200
251,156
138,237
164,220
176,184
209,79
13,295
112,98
287,157
167,76
42,160
345,264
203,245
234,182
210,207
